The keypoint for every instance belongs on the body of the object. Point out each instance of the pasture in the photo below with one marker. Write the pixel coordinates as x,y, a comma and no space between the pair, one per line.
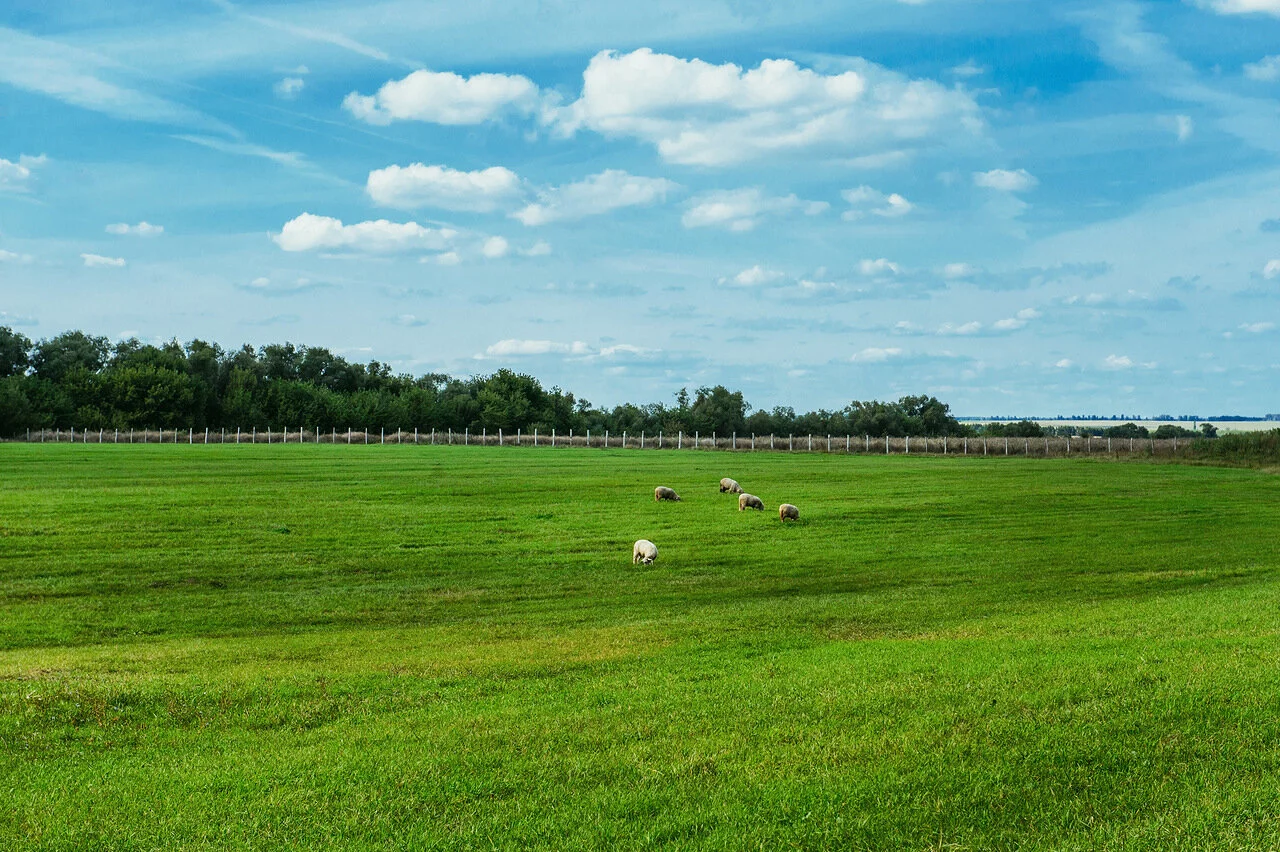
449,648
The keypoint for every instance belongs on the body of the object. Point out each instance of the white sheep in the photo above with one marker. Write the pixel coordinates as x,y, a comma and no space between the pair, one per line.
644,551
750,501
788,512
730,485
662,492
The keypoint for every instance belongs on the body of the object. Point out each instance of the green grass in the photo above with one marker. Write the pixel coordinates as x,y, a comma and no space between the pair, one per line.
368,648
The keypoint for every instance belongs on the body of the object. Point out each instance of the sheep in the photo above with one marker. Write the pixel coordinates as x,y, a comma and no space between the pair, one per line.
662,492
730,485
788,512
750,501
644,551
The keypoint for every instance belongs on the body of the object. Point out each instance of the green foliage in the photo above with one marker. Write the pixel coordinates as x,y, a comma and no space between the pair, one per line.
87,384
449,648
1126,430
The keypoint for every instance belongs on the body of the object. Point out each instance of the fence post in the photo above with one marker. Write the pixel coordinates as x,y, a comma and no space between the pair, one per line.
847,439
753,442
433,436
642,439
886,444
908,445
117,435
1026,449
1006,446
771,440
791,443
253,439
624,439
867,447
588,437
984,446
1046,448
944,445
466,436
415,436
966,445
735,440
680,439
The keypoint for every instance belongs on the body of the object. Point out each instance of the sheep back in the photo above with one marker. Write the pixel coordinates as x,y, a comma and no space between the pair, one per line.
750,501
644,551
730,485
664,493
788,512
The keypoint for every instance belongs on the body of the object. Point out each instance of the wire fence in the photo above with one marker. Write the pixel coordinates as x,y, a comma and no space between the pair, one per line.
828,444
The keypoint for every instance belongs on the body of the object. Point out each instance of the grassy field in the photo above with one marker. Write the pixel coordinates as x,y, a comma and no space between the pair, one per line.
449,648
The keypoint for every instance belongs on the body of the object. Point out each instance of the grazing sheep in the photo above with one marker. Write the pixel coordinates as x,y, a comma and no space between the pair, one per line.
750,501
787,512
662,492
644,551
730,485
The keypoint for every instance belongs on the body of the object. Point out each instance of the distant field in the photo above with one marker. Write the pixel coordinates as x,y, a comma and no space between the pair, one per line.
1153,425
448,647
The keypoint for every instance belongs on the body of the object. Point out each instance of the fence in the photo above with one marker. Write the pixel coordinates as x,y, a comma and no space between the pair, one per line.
827,444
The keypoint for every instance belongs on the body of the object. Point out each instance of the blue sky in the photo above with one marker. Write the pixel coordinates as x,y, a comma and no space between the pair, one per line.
1018,207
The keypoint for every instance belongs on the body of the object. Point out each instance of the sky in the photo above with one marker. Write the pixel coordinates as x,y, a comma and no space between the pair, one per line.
1018,207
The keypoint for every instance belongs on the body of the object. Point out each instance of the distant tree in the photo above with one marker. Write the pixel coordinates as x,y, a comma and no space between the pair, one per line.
719,410
1127,430
53,359
1168,430
15,352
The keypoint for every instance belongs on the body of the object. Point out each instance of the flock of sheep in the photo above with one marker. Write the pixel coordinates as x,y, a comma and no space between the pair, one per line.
645,551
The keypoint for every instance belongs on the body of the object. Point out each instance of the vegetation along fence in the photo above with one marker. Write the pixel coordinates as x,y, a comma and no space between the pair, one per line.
1048,447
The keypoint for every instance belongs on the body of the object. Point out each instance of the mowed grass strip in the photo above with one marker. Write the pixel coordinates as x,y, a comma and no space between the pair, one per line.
414,647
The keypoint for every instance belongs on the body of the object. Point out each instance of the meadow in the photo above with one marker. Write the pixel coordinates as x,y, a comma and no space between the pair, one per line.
449,648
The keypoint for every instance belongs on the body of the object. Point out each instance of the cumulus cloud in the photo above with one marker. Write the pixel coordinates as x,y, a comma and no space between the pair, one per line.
142,229
865,199
1241,7
14,257
97,260
1017,321
875,355
1124,362
495,247
1271,270
541,248
1004,180
880,267
1183,126
309,232
609,190
445,98
1265,70
16,177
955,271
409,321
1064,364
418,185
753,276
743,209
947,329
445,258
699,113
265,286
511,347
1257,327
289,88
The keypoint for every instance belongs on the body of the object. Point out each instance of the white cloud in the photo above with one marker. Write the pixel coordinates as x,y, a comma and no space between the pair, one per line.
266,287
495,247
539,249
1257,327
953,271
142,229
16,177
309,232
1265,70
1241,7
1272,269
447,258
409,321
743,209
875,355
1184,127
97,260
1064,363
1117,362
967,328
14,257
968,69
1018,321
445,98
511,347
288,88
865,199
698,113
878,267
419,185
1004,180
753,276
609,190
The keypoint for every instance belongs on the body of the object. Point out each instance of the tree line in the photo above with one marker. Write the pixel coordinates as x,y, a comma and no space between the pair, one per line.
76,380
